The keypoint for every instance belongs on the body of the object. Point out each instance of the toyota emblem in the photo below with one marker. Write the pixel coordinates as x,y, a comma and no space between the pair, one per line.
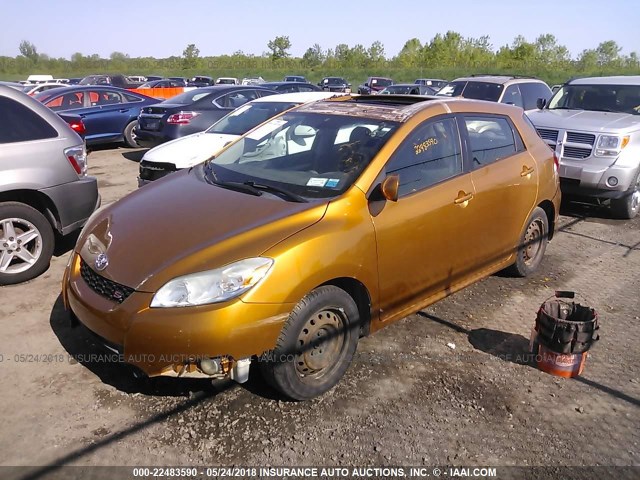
101,261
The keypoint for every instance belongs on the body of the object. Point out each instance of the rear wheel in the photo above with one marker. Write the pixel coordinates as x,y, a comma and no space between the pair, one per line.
628,206
26,243
129,134
316,345
532,244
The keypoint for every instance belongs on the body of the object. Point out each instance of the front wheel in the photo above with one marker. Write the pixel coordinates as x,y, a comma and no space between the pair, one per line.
316,345
532,244
26,243
628,206
129,134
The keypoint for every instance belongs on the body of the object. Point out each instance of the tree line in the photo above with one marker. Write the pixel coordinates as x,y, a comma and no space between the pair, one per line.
444,56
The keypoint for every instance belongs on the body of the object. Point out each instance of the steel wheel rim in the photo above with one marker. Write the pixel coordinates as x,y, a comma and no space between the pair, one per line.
20,245
532,241
320,344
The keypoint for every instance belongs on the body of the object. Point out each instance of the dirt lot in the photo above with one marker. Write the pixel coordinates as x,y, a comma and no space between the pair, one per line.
408,398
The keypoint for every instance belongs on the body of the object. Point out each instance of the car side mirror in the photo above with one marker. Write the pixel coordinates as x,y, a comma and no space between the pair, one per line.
390,187
541,103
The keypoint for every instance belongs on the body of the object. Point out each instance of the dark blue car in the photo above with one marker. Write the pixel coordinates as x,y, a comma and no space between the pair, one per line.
110,114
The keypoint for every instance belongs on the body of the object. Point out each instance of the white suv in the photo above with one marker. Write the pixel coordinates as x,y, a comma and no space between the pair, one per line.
522,92
593,124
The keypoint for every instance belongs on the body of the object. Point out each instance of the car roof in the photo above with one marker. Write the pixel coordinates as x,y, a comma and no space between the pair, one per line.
275,84
497,79
612,80
406,85
398,108
298,97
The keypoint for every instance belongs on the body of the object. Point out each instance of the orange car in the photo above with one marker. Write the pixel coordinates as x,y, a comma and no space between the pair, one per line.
318,227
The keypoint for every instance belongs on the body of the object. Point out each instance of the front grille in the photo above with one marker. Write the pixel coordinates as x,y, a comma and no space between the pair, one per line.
547,134
154,170
103,286
576,137
576,152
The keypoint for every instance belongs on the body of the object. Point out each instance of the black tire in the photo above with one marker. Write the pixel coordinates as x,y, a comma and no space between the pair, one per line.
532,244
628,206
301,368
23,219
129,137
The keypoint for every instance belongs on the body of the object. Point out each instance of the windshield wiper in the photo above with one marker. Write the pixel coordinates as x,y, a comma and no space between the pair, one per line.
270,188
211,178
566,108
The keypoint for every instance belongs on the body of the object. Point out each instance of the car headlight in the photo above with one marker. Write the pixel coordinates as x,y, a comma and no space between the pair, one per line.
212,286
611,145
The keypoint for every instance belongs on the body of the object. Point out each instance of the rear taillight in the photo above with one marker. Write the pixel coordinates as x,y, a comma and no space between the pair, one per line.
78,127
77,157
181,118
556,163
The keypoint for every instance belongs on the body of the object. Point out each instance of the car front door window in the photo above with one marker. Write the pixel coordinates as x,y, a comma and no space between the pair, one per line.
429,155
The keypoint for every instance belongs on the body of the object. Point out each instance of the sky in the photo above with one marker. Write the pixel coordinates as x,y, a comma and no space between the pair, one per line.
162,28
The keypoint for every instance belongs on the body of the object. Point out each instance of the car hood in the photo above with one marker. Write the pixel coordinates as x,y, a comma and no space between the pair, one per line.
188,151
182,224
584,120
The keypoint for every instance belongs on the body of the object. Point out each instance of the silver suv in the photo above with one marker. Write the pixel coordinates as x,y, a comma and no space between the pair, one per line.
522,92
593,124
44,185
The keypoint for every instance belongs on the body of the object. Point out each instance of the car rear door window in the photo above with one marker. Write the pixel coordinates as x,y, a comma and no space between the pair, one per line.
68,101
512,96
429,155
491,138
236,99
20,124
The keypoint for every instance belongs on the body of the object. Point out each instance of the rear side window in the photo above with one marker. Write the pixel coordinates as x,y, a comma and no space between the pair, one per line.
512,96
20,124
131,98
236,99
532,91
491,139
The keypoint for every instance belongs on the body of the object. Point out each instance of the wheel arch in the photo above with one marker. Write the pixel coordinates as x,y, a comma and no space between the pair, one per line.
37,200
360,295
550,211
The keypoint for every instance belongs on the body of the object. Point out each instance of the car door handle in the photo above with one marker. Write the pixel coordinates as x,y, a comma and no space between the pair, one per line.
463,198
123,110
526,171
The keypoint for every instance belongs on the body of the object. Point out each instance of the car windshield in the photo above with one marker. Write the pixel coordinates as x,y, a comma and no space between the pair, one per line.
249,116
475,90
334,81
189,97
381,82
308,154
149,84
602,98
92,79
398,89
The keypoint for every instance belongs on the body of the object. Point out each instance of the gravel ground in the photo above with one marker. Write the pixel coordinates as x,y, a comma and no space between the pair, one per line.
408,398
